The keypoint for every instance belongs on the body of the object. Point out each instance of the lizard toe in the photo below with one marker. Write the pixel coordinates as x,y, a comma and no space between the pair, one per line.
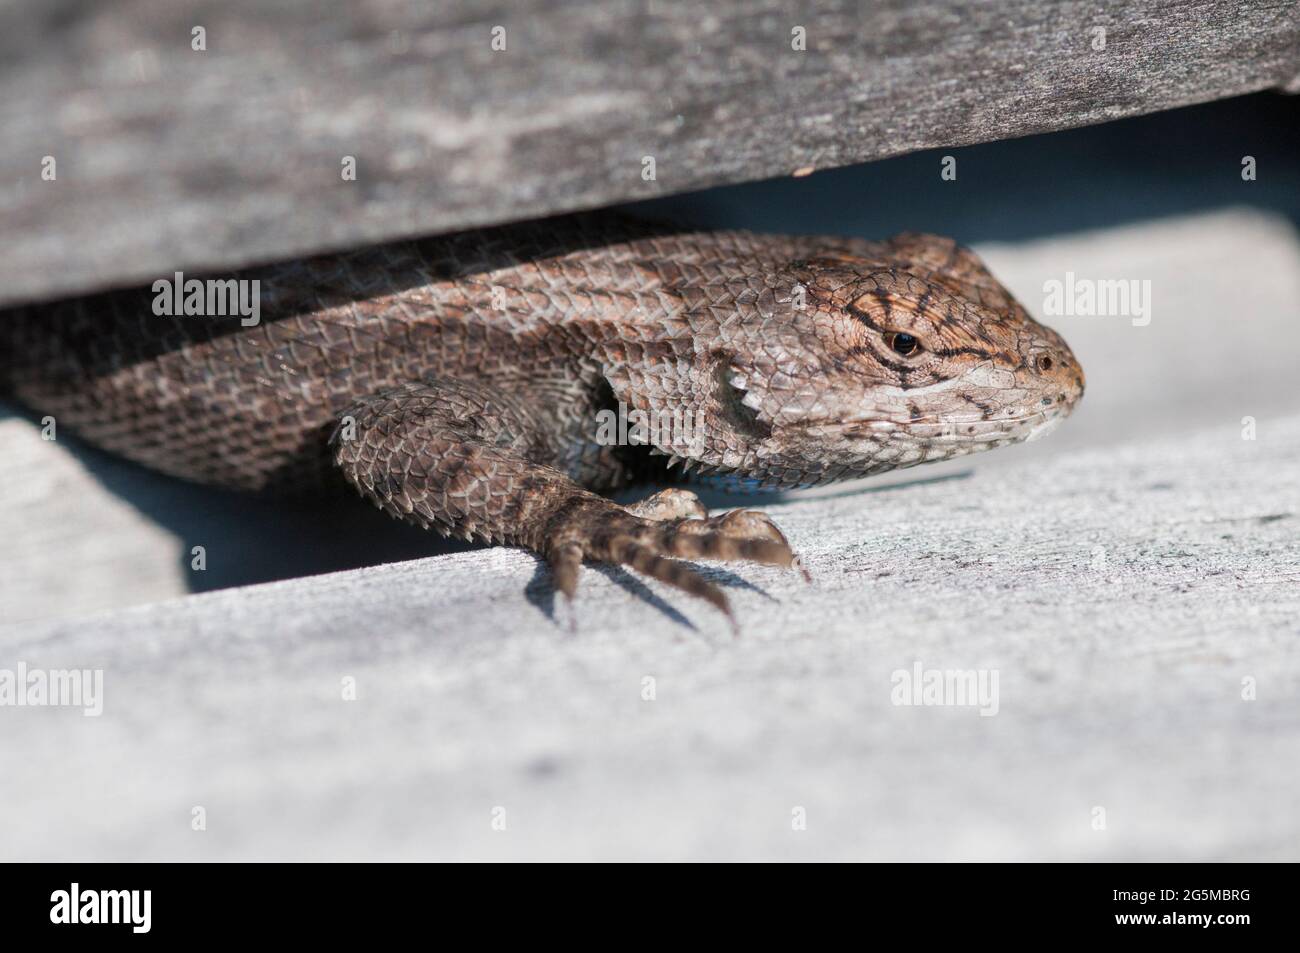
637,555
565,561
602,531
739,535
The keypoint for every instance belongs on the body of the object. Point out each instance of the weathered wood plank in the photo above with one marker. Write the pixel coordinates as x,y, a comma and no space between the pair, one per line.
1125,600
167,157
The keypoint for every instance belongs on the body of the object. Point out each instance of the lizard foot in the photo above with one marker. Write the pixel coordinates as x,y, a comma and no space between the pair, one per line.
651,536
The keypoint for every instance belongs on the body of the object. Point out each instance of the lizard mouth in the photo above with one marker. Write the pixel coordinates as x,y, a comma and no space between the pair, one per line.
870,445
949,429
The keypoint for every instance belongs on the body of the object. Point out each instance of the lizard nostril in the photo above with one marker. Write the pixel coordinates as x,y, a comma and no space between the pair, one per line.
1045,362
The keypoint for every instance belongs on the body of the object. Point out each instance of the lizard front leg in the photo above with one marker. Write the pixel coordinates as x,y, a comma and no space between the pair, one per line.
471,462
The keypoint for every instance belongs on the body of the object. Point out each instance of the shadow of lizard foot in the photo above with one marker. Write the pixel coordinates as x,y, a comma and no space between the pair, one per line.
636,587
541,593
730,580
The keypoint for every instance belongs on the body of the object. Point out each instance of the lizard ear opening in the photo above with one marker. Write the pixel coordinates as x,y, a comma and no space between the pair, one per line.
731,385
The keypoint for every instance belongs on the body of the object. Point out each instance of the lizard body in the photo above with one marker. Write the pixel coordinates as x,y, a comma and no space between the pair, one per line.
459,381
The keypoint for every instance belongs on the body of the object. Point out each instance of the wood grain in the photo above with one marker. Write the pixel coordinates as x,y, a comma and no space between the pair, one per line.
169,158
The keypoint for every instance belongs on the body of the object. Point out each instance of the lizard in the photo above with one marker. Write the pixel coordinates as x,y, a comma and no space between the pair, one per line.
457,381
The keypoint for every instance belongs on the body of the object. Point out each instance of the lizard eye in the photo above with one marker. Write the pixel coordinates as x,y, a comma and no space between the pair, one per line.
904,344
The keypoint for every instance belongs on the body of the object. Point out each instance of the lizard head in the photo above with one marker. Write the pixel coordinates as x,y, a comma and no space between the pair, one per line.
863,363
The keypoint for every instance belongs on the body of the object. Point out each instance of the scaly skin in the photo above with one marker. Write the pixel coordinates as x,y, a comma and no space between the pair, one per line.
458,381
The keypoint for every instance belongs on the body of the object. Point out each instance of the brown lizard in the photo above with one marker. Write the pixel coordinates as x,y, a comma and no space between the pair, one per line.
465,382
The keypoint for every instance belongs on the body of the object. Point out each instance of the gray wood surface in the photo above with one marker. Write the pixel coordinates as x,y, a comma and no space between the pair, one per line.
168,158
1122,596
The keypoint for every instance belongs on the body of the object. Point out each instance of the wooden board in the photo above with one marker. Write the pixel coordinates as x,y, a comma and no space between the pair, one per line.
168,157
